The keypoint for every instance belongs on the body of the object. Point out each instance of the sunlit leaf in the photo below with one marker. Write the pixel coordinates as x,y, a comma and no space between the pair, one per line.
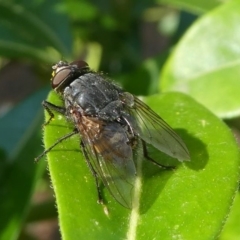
206,62
190,202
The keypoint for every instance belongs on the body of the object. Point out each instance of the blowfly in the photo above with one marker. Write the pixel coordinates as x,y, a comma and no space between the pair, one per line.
114,127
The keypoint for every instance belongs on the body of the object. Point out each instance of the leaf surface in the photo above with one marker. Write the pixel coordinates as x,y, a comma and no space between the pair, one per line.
189,202
206,62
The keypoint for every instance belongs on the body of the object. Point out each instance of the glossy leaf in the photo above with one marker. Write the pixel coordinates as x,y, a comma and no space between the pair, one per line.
190,202
206,62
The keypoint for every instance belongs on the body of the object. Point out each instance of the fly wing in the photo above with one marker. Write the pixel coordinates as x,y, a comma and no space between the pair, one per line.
111,157
154,130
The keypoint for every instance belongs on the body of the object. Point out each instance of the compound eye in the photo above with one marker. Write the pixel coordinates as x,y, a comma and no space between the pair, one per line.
80,64
60,77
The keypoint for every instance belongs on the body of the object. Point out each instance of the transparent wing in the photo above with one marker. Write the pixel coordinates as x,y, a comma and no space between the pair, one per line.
154,130
111,157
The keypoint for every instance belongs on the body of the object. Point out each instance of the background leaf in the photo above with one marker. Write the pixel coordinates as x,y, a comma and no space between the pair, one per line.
19,174
207,67
196,6
33,29
173,204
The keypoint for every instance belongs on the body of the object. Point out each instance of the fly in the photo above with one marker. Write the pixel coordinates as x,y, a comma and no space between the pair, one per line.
114,127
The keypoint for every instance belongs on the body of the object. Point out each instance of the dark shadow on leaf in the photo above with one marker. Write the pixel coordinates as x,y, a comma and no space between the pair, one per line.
151,191
197,149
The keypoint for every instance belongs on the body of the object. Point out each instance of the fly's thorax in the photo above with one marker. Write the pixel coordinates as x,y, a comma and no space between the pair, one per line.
95,96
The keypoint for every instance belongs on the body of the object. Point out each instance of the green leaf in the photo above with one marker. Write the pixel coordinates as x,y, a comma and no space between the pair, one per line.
231,230
190,202
206,62
21,141
196,6
88,10
30,29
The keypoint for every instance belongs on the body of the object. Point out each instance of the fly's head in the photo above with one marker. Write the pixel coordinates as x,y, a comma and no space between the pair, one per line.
64,73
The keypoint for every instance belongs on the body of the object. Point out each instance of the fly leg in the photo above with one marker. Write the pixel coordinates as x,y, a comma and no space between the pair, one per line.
49,107
145,154
55,144
100,198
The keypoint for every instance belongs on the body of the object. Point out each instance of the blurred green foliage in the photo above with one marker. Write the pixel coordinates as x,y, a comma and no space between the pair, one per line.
148,47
